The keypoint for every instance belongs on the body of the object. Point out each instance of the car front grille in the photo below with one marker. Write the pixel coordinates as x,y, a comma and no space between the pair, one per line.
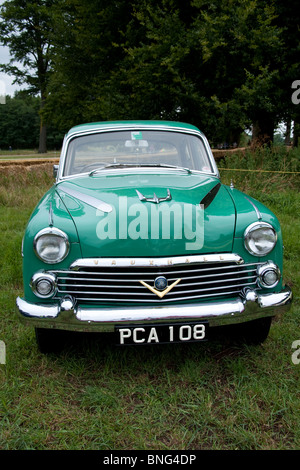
203,280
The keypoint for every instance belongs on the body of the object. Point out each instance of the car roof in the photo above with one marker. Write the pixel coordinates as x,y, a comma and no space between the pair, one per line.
111,125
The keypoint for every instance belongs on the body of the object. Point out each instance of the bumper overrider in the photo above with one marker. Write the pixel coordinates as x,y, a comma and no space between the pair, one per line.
67,314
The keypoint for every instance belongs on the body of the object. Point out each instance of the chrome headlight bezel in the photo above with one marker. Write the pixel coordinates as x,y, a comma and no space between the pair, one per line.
39,277
59,238
263,271
254,229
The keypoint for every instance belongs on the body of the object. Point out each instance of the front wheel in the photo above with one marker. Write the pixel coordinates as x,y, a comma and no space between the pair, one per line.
50,341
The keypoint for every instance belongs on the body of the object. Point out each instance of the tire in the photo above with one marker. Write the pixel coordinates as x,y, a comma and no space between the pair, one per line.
50,341
254,332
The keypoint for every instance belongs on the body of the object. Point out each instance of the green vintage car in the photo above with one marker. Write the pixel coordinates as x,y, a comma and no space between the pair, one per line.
139,237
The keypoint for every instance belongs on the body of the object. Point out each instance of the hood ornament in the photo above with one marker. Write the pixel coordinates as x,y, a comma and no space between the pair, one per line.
155,199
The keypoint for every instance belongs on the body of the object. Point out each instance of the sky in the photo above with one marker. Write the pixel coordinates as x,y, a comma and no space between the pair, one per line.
6,81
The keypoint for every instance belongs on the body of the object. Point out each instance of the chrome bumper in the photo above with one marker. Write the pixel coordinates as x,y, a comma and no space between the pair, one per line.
69,316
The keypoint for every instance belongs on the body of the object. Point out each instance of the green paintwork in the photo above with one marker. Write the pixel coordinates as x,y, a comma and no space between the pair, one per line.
90,127
120,191
225,219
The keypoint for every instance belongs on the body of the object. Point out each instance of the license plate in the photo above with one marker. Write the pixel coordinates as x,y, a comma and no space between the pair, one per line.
161,333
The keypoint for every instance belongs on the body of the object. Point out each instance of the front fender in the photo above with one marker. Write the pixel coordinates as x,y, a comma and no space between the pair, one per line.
49,211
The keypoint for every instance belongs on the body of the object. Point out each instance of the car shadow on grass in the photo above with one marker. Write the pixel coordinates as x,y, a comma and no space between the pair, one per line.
223,343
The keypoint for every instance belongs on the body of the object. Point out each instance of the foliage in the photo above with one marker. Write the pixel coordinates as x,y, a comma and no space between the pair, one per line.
27,27
86,52
223,66
219,65
19,124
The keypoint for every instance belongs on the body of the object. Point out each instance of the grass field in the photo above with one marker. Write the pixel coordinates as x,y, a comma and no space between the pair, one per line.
94,396
26,154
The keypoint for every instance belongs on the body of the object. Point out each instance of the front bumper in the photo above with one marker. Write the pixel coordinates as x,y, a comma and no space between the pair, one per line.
69,316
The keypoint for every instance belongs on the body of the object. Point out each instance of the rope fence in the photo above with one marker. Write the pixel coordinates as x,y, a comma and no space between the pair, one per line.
261,171
38,161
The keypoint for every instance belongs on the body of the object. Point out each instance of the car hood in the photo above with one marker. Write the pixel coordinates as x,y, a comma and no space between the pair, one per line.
130,213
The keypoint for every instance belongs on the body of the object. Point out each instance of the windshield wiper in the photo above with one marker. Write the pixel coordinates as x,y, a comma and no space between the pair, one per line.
165,165
112,165
126,165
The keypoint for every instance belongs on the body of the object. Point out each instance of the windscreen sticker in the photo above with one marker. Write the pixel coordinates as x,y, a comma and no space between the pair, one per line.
137,135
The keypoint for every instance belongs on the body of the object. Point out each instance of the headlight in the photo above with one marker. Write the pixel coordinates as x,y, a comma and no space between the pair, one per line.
51,245
260,238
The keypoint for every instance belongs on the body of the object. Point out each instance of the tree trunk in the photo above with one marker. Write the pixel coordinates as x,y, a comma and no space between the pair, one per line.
296,134
43,139
287,139
263,130
43,130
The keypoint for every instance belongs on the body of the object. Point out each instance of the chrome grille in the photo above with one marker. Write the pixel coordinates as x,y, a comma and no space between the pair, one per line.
122,284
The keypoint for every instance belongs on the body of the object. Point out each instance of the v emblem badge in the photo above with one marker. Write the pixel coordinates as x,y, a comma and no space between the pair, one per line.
157,292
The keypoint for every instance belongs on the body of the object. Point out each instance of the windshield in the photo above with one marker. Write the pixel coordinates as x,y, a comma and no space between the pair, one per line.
94,152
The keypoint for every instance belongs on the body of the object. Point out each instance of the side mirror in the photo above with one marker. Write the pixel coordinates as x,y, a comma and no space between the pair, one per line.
55,170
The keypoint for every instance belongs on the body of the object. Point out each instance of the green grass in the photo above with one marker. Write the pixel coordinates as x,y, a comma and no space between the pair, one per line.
95,396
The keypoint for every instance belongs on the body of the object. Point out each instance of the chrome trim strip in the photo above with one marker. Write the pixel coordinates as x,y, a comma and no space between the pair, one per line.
67,316
259,216
90,200
165,272
97,283
137,279
50,215
156,262
153,300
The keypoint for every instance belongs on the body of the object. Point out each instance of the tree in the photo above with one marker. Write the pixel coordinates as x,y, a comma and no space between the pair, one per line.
240,43
86,53
19,124
149,81
288,20
223,66
212,63
26,27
